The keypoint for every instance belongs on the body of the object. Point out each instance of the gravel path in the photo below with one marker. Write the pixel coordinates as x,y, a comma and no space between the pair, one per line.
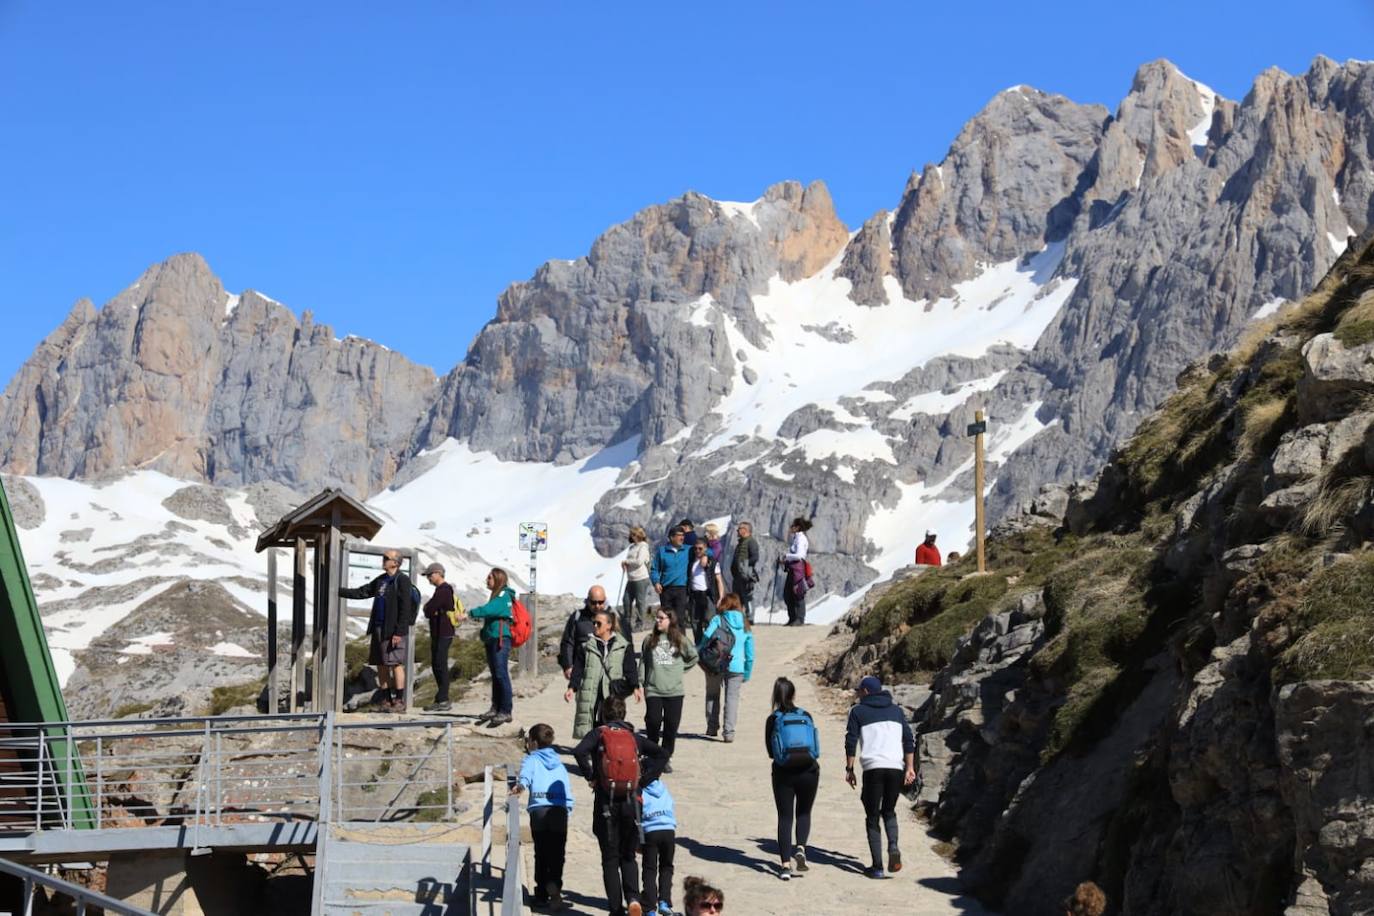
726,820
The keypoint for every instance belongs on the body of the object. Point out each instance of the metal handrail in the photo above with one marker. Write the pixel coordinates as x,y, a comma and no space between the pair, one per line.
83,896
512,885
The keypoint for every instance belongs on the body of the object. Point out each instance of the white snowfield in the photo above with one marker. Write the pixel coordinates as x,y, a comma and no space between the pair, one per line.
463,511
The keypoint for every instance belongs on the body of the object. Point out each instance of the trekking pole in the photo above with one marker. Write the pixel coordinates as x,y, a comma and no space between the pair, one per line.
624,605
773,598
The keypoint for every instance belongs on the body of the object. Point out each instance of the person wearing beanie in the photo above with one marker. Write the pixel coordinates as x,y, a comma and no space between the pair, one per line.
927,554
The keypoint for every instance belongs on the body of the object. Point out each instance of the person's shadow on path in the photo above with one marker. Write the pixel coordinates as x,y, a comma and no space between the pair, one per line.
722,855
815,855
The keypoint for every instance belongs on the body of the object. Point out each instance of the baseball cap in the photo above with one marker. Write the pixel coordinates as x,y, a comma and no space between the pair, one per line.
434,568
870,684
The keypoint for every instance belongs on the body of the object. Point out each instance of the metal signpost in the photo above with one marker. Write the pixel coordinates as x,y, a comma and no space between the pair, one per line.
976,429
534,537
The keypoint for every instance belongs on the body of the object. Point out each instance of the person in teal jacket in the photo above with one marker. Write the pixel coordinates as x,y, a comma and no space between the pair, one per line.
730,612
496,616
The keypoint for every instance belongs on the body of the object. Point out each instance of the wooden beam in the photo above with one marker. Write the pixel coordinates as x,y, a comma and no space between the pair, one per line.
336,632
272,631
298,628
978,520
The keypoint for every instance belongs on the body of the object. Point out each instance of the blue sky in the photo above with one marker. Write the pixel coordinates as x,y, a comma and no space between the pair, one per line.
394,171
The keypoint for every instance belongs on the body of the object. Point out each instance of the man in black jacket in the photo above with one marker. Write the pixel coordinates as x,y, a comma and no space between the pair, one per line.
615,821
579,629
880,727
393,614
744,567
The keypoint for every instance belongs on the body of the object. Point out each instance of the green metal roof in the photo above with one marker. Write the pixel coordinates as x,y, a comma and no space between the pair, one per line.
30,678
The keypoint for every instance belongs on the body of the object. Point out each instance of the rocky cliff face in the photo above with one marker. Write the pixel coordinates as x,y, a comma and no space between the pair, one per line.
1164,682
177,375
1058,268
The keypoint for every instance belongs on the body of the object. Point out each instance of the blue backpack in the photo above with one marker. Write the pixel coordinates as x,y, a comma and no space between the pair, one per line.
795,739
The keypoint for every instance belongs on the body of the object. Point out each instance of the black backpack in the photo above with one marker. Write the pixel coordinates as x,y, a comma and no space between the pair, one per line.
715,655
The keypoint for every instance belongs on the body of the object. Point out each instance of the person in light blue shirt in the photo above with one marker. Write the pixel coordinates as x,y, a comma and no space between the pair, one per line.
659,820
544,778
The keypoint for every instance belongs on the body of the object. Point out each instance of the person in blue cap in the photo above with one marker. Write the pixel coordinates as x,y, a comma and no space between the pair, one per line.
889,762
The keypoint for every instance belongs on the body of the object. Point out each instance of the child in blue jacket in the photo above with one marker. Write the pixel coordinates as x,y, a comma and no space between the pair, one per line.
545,778
659,821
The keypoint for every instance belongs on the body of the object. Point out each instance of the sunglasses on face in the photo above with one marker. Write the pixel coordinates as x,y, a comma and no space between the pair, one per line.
715,906
601,603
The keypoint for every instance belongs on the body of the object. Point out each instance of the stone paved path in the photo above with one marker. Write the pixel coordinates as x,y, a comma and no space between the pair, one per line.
726,819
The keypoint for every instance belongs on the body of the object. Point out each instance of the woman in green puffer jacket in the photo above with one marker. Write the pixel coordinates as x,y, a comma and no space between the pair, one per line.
603,664
496,616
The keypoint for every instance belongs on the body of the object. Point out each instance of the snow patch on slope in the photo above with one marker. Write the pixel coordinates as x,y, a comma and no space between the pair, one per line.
1009,303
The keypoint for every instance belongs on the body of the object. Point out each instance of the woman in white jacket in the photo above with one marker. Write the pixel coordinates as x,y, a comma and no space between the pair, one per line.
635,602
794,586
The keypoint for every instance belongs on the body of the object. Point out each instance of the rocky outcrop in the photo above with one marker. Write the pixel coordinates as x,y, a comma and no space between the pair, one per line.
1168,693
177,375
26,503
630,339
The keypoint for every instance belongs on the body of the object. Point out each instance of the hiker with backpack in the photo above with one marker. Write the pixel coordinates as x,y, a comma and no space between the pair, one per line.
794,744
443,610
664,659
579,629
668,571
889,762
545,778
634,603
744,568
618,763
659,820
726,654
395,601
704,587
798,580
604,666
498,616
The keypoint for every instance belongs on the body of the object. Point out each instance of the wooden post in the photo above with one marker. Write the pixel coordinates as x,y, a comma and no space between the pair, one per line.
333,628
272,632
298,628
341,617
317,627
978,520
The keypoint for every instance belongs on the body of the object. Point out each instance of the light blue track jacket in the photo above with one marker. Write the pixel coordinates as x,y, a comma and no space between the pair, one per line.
545,780
742,659
659,811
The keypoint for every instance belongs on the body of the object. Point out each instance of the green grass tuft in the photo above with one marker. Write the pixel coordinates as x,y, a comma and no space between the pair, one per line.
1330,626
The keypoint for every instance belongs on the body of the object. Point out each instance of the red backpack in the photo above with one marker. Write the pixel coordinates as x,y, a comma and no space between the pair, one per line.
520,624
619,775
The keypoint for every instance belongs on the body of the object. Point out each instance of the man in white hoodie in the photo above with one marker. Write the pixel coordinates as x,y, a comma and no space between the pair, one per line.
889,762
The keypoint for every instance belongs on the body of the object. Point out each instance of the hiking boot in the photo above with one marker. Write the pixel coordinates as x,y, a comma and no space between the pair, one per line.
785,872
635,909
487,715
555,900
875,872
667,768
499,719
439,706
894,860
664,908
728,739
799,861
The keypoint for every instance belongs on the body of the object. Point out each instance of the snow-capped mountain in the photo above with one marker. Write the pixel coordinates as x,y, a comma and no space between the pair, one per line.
726,360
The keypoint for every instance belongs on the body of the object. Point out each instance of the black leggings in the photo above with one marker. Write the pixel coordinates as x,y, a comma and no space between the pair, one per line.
880,791
663,715
615,825
549,830
658,868
794,790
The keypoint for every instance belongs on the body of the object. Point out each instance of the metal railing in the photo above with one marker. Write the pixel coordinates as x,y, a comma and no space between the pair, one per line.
82,897
212,771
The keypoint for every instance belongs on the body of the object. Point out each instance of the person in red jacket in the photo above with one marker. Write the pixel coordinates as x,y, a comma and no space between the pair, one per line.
928,554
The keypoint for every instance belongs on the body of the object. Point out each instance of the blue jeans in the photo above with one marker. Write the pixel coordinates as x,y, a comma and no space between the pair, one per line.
498,662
